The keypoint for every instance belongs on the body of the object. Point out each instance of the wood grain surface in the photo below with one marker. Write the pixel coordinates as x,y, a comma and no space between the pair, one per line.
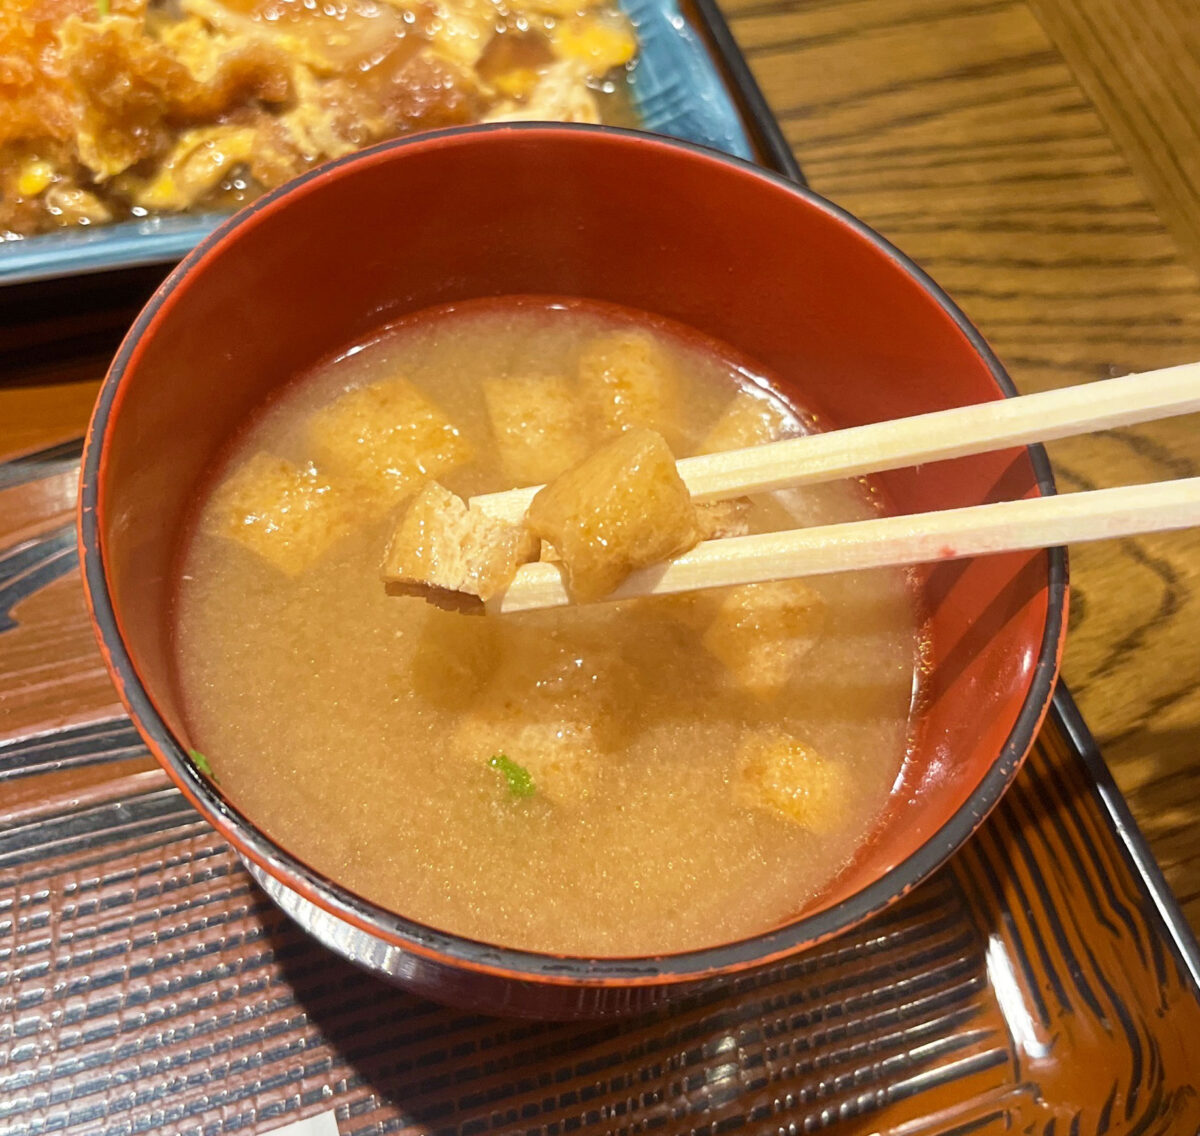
147,985
1041,160
153,988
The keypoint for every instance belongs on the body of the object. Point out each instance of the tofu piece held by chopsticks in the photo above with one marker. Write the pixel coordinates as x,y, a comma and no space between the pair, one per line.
442,547
719,520
622,508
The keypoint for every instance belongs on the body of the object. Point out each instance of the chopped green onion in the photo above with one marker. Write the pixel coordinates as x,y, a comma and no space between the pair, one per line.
103,7
520,783
201,763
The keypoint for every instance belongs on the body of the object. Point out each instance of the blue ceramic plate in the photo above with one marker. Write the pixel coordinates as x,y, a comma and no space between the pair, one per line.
676,89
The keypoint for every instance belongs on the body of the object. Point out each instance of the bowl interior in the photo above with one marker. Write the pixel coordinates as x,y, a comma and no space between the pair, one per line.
849,328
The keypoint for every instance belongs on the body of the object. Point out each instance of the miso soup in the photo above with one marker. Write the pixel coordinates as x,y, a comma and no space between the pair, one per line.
627,778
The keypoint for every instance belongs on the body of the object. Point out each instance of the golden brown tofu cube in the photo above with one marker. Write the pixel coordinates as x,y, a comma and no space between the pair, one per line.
566,671
762,632
747,421
555,706
454,658
691,610
440,543
720,519
627,381
538,426
622,508
388,438
561,758
782,775
287,514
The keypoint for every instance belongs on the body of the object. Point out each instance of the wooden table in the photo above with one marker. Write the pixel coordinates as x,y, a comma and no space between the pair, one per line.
1039,159
146,983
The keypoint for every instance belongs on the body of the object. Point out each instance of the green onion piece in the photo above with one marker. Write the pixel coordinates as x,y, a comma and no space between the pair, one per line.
520,783
103,7
201,763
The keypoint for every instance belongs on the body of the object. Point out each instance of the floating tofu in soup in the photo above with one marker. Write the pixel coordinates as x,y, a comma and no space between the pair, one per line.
627,380
748,420
782,775
564,670
561,758
537,424
388,438
622,508
454,658
762,632
287,514
536,780
555,705
442,544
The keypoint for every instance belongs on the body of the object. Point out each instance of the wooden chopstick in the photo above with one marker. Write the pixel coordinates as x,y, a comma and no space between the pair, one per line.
1004,526
937,436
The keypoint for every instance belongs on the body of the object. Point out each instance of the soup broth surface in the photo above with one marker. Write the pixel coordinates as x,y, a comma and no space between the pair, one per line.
358,729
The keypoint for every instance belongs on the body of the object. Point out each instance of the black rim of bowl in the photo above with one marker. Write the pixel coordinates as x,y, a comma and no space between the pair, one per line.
531,965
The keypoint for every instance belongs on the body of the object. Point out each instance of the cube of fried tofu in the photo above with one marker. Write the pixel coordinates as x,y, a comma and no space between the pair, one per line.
287,514
762,632
561,758
388,439
442,544
720,519
538,426
782,775
622,508
555,706
748,420
691,610
627,380
454,658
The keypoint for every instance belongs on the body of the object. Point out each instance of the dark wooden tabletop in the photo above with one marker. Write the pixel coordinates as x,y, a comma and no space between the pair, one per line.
1041,159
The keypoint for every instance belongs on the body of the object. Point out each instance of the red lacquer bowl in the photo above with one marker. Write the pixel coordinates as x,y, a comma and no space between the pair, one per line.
847,322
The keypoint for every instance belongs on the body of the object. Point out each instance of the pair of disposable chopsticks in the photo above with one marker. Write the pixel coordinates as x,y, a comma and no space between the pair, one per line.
1004,526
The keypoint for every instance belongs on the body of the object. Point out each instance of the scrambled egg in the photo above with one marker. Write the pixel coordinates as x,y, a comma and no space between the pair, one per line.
118,108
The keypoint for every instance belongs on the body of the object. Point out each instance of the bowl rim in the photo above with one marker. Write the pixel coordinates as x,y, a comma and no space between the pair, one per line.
445,947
